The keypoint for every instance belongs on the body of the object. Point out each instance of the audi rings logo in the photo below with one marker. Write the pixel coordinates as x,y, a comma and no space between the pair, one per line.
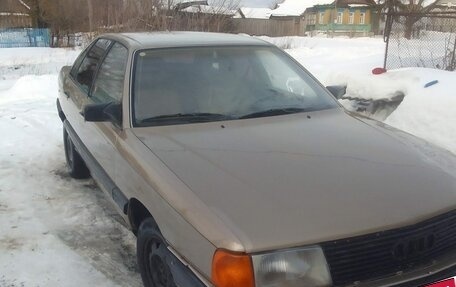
413,247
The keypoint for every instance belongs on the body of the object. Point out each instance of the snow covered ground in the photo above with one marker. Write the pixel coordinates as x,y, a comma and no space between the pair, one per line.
56,231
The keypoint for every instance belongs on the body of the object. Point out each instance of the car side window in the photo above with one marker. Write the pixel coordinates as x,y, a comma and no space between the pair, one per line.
88,67
108,86
78,61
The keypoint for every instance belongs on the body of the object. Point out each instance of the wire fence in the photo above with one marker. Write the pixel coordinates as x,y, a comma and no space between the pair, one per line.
71,40
421,40
24,37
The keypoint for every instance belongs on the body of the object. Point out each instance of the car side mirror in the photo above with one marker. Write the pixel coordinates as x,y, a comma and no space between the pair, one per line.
337,91
104,112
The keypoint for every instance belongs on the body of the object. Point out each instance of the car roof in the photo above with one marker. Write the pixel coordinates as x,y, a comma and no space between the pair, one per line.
147,40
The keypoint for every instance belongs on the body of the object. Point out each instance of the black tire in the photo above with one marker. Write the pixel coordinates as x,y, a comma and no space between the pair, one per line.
153,256
76,165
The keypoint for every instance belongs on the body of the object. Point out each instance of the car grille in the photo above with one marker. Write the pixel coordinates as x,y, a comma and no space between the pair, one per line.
390,252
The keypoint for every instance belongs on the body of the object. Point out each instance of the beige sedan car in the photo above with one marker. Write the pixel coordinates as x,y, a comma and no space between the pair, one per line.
236,168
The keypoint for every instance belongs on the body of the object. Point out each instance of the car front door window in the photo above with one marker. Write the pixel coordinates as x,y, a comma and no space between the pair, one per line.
88,67
108,86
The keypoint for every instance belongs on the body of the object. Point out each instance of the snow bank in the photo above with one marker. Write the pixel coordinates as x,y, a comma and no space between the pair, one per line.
29,88
329,59
54,231
17,62
429,113
31,56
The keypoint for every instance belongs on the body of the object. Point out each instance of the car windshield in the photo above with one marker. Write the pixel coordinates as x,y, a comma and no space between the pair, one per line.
201,84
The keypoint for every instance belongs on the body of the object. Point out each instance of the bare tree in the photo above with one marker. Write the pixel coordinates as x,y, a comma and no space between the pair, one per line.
65,17
275,4
412,10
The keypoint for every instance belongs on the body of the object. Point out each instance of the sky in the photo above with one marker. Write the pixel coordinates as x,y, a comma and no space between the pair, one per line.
257,3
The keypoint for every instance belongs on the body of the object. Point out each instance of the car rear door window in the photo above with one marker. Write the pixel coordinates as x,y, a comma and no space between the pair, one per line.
108,86
88,67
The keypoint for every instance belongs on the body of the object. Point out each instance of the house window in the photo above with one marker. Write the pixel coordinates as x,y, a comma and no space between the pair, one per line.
339,17
321,18
362,18
351,18
311,19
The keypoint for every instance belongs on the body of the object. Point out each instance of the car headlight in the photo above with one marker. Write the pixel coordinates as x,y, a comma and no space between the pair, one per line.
292,268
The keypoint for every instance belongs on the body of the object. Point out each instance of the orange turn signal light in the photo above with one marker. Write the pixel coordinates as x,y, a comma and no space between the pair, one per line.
230,269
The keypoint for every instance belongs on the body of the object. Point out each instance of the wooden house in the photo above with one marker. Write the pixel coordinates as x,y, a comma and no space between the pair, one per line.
350,17
14,14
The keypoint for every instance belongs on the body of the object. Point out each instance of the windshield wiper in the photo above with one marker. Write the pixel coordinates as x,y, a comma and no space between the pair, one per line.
274,112
189,118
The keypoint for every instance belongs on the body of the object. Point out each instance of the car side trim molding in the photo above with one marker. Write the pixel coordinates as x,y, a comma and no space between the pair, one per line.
185,273
97,172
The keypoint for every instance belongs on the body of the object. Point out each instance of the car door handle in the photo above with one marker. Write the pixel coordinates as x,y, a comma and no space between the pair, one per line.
66,94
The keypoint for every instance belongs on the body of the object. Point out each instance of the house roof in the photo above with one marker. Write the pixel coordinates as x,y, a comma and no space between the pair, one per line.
351,3
255,13
296,7
207,9
447,3
185,4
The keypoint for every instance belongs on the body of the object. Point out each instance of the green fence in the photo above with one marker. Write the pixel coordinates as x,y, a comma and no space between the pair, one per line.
25,37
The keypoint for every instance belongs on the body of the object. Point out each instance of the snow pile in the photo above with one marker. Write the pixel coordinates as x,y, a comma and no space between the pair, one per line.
329,59
22,56
17,62
429,113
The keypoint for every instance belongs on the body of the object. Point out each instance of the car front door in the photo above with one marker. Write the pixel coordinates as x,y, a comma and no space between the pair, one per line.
108,89
96,78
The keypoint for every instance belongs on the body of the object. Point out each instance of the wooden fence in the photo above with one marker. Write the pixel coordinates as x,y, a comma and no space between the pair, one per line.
270,27
15,20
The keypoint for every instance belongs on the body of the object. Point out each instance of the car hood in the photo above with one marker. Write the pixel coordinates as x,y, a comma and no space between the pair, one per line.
301,179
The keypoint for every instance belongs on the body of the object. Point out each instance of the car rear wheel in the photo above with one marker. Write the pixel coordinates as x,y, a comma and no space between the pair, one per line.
76,165
153,256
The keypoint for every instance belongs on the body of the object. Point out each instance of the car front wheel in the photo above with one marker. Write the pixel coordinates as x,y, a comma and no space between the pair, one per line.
153,256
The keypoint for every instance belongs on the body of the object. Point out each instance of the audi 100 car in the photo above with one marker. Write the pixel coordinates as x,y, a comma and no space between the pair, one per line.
235,167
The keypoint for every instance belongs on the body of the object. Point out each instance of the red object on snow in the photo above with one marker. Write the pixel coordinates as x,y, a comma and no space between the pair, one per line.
378,71
446,283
